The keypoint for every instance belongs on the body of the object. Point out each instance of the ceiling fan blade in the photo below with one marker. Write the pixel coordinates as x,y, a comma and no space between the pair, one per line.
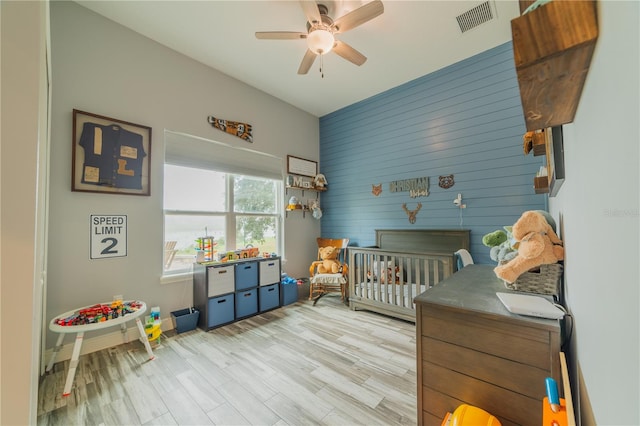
311,11
307,61
349,53
280,35
358,16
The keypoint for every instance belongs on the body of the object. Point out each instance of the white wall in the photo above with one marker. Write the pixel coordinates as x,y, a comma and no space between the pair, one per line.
599,213
24,137
104,68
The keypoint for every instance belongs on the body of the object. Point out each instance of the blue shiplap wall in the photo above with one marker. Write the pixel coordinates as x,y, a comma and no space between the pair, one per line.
464,120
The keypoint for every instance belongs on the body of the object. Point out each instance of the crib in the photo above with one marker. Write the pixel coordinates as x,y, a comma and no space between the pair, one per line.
403,264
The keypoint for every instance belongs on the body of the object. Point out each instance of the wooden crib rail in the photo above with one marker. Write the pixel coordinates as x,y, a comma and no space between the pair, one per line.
387,281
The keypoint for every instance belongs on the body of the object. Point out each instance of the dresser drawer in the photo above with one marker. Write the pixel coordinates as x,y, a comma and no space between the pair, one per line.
502,403
503,372
220,280
510,340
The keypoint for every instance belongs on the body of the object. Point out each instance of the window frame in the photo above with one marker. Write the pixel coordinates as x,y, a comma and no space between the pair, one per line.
229,215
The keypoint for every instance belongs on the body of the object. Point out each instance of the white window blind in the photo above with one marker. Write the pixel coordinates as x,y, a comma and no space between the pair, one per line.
192,151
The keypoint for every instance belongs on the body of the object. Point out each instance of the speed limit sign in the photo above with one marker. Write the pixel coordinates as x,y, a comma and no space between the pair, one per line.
108,236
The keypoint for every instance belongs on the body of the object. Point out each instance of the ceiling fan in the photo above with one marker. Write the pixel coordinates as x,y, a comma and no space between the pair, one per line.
321,30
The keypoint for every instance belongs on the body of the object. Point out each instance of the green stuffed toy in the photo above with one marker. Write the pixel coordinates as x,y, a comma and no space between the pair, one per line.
503,246
502,250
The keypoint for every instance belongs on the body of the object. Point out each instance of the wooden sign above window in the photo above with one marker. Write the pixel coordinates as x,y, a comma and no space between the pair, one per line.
302,167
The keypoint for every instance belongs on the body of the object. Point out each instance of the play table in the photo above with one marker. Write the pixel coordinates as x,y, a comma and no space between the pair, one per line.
83,328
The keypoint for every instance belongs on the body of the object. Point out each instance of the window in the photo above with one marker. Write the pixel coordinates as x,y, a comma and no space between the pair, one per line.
237,210
212,198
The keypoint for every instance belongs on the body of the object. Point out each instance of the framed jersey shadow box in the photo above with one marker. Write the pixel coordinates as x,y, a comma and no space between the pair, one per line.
109,155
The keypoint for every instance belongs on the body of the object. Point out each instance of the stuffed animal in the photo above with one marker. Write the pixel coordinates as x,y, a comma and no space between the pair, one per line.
329,263
500,242
538,244
392,275
293,203
315,209
320,182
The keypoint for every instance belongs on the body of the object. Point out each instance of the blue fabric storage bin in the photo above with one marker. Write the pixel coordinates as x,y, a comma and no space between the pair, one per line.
288,293
246,303
185,319
221,310
246,275
269,271
269,297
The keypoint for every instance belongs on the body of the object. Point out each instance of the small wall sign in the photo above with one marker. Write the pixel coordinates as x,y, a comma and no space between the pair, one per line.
108,236
417,187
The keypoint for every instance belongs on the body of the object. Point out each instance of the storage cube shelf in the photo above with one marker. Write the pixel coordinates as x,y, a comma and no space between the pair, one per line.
227,292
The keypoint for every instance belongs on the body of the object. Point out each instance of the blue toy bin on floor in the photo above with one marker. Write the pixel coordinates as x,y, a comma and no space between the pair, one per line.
185,319
288,293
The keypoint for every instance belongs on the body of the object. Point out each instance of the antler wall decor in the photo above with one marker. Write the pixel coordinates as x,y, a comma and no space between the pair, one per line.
411,213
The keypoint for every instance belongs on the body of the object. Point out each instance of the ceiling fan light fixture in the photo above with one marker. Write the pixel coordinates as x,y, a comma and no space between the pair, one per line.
320,41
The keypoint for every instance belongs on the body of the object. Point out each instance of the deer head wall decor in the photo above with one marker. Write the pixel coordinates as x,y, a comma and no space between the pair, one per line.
412,213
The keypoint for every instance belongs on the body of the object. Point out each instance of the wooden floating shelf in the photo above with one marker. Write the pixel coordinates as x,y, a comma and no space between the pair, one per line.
541,184
302,188
552,47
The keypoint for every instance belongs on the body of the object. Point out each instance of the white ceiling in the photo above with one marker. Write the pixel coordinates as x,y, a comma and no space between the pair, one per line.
410,39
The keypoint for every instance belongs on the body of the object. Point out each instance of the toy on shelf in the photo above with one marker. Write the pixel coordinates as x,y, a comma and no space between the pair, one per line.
320,182
294,203
205,249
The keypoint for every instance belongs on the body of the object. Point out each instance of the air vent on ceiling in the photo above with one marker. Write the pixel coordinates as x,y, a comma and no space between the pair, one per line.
476,16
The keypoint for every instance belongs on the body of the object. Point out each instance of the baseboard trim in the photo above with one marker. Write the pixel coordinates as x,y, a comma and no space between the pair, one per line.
98,343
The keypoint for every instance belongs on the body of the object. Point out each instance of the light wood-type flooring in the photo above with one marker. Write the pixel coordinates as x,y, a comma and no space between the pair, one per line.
296,365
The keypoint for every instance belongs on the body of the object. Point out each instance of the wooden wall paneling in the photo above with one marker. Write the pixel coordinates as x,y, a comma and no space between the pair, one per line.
464,120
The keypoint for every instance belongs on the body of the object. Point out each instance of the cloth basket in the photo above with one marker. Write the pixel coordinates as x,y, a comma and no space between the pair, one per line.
544,281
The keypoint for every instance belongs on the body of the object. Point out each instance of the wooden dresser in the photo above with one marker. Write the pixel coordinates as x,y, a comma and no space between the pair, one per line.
471,350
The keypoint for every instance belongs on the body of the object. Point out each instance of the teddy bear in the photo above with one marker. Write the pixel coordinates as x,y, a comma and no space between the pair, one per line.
538,244
500,243
329,263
